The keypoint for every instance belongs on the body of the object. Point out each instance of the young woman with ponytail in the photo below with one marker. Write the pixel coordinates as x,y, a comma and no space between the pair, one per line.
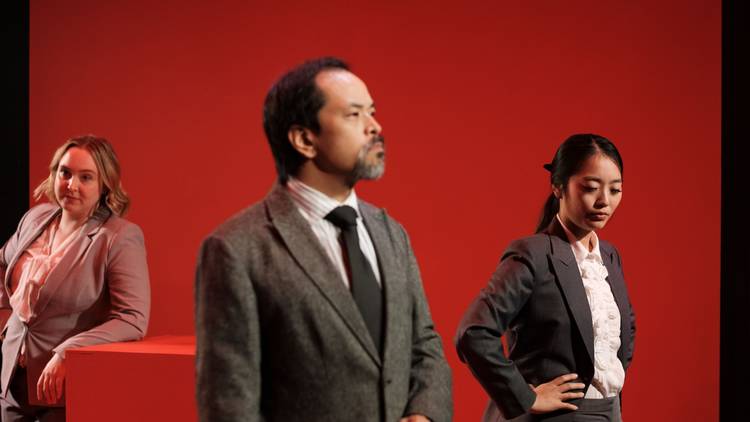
560,299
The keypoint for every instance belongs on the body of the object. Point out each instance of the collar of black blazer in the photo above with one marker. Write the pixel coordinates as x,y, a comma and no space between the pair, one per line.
561,246
569,279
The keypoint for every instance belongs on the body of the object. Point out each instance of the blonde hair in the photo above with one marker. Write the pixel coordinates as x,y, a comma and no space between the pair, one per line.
112,194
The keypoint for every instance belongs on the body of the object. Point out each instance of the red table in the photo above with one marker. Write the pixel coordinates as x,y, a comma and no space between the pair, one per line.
149,380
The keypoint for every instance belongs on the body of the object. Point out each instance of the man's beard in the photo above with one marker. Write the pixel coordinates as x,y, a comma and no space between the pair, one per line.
364,170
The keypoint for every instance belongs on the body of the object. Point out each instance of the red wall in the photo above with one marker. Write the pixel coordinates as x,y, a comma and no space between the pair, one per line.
474,98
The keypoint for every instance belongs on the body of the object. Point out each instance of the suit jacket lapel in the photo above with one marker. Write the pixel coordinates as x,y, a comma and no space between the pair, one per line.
617,285
59,275
569,279
36,229
305,248
391,279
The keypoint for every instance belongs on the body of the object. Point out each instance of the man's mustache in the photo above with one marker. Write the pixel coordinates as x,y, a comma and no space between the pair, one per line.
376,139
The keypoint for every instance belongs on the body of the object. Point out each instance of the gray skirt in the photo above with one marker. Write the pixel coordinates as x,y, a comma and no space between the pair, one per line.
589,410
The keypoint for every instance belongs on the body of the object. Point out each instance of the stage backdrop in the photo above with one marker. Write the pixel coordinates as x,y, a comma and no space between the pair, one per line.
473,96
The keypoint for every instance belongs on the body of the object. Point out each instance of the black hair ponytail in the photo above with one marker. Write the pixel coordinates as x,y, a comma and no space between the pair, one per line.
550,209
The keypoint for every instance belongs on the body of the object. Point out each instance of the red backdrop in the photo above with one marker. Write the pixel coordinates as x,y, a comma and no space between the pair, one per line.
474,97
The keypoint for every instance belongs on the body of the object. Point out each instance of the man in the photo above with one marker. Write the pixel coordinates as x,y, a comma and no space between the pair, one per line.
309,304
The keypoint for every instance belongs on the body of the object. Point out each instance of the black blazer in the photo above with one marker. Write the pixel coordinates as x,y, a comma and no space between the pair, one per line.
537,300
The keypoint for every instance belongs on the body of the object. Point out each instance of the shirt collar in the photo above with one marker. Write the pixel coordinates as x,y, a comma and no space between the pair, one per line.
580,251
315,203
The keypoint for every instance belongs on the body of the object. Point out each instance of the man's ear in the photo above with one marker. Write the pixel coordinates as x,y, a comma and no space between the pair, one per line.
302,140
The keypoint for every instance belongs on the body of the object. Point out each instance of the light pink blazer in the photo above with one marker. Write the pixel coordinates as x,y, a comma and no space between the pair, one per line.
98,293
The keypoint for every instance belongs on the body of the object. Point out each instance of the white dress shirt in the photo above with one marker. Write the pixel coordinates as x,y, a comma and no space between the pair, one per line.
314,206
609,375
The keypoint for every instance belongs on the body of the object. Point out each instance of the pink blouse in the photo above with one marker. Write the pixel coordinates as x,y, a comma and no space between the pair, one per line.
33,266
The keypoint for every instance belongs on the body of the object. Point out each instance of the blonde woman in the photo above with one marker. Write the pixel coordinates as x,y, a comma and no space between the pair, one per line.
74,274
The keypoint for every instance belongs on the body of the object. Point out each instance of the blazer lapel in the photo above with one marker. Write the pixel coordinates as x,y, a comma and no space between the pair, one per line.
391,278
36,229
617,285
305,248
569,279
59,275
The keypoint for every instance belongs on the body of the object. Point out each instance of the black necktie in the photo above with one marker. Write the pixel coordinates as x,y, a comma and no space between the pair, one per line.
365,289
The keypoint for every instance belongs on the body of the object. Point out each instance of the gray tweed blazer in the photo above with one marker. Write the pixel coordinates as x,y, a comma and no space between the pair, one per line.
280,338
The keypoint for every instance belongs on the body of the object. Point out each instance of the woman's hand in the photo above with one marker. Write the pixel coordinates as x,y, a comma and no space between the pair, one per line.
51,383
550,396
415,418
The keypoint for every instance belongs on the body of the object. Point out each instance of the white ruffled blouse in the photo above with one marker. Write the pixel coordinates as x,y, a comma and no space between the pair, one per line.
609,374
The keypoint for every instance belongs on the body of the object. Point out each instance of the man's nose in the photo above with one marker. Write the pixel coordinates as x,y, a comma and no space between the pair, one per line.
374,127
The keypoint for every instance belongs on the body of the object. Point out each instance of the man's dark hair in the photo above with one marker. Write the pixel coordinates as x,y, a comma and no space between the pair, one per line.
295,99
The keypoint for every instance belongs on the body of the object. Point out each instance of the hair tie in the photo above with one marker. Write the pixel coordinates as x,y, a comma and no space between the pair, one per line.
548,167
